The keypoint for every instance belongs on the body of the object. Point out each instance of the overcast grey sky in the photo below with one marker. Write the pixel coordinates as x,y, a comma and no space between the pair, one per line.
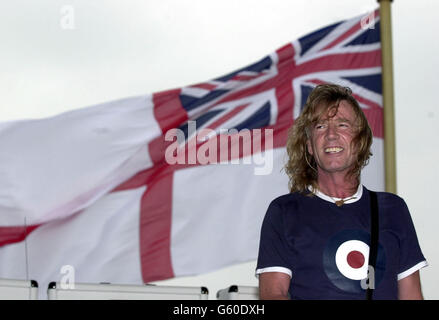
120,48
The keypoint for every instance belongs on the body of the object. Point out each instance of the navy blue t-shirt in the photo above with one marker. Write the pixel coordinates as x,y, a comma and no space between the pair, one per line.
324,248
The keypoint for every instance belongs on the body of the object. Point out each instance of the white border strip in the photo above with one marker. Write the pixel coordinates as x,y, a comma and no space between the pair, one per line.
273,269
413,269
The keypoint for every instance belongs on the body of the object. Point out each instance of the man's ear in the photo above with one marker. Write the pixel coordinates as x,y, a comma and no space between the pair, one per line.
309,147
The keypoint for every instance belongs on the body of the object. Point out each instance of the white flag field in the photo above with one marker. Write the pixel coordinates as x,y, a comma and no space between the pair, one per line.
173,183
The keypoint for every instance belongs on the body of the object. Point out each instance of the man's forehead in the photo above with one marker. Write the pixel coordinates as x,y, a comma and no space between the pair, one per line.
338,109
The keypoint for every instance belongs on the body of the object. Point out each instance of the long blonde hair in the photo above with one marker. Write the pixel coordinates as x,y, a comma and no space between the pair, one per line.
301,167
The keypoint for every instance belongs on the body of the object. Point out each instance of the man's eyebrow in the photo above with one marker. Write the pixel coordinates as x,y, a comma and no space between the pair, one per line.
326,119
343,120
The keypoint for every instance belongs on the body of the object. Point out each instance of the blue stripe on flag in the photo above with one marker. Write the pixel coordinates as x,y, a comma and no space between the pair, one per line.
308,41
259,119
371,82
200,121
305,91
259,66
368,37
189,102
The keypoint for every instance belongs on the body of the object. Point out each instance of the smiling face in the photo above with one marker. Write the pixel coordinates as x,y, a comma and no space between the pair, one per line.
330,140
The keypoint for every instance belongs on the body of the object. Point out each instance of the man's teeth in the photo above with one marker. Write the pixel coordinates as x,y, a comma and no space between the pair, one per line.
333,149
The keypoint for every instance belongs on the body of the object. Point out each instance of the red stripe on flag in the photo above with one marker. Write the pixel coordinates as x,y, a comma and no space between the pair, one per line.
374,114
285,109
286,54
284,95
286,67
243,77
340,61
217,123
204,85
157,148
9,235
155,228
375,118
344,36
168,110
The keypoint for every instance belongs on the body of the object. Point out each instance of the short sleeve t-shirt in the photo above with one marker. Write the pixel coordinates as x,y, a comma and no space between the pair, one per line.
324,248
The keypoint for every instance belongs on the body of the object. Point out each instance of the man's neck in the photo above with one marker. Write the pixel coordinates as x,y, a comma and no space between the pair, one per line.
337,186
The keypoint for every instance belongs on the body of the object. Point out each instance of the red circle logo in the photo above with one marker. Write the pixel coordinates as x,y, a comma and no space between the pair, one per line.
355,259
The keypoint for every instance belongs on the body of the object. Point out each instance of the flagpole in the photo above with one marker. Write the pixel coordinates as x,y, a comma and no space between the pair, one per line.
388,99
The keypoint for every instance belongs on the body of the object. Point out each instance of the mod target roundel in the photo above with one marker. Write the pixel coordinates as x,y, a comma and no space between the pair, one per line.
351,259
346,258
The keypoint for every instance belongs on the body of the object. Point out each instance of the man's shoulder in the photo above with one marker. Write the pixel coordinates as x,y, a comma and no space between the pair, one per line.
289,198
389,199
285,206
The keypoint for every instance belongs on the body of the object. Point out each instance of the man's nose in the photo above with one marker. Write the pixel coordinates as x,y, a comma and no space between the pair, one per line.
332,132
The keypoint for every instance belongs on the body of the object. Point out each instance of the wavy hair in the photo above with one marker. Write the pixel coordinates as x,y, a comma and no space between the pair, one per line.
301,167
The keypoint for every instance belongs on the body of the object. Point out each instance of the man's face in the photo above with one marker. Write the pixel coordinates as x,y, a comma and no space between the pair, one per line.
330,141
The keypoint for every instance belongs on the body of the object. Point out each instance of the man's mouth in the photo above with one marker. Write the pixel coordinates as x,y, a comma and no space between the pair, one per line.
333,149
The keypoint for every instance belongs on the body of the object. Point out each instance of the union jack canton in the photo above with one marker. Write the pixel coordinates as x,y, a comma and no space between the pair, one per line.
272,92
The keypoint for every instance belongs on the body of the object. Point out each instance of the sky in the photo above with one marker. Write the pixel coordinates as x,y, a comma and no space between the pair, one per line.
51,63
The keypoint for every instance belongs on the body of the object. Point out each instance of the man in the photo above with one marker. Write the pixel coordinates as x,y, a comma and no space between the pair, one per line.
315,240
